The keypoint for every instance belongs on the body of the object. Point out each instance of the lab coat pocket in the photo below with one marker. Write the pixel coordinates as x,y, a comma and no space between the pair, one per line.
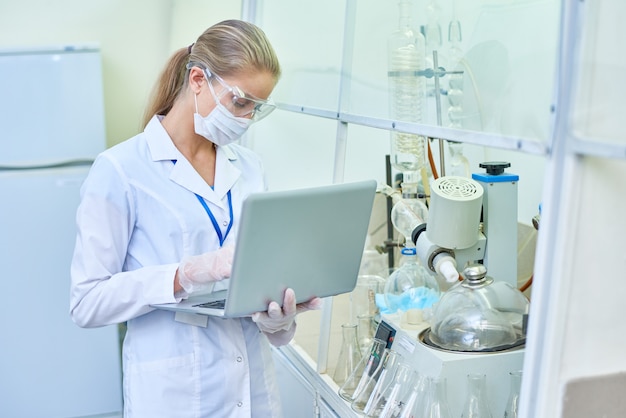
162,388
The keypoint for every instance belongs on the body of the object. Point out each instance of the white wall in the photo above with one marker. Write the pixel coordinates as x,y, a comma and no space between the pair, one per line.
136,38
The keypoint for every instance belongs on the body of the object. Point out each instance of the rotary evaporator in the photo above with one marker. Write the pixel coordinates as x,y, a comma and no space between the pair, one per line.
460,237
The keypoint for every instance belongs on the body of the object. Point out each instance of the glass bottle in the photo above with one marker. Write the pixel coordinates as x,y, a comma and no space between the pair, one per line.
362,403
349,355
367,367
512,404
436,399
476,403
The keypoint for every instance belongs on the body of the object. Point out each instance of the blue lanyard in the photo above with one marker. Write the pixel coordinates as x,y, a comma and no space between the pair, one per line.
214,221
212,217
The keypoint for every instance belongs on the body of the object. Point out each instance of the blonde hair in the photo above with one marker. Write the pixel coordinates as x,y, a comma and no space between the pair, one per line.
226,48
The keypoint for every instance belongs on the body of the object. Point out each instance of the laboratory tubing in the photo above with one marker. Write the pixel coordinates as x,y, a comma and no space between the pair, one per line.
476,403
367,366
349,354
512,403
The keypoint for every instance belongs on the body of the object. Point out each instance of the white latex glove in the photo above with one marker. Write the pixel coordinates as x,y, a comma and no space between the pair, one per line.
279,324
199,272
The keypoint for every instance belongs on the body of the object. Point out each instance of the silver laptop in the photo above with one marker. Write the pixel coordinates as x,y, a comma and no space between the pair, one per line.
310,240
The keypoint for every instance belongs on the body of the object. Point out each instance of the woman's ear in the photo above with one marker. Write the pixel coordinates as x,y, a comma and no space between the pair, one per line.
196,79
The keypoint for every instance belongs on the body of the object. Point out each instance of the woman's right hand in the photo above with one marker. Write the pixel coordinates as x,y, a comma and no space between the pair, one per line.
199,272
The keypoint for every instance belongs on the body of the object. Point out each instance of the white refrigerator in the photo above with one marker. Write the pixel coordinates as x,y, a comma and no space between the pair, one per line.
51,128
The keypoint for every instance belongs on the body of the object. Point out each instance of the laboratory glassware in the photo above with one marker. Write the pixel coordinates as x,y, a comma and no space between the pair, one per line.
414,405
455,77
349,354
476,403
373,389
436,399
406,61
411,286
512,403
365,331
479,315
367,366
395,394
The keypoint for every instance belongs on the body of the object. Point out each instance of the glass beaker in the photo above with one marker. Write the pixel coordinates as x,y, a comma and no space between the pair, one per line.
349,355
436,399
512,404
366,398
389,403
367,367
476,403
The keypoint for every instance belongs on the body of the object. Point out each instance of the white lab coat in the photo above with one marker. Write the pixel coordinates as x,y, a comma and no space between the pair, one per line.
137,218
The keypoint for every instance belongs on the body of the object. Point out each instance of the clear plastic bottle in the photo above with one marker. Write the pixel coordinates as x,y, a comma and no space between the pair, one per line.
476,403
349,354
406,60
512,403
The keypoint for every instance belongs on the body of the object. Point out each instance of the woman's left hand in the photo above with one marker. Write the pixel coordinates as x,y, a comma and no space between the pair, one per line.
279,324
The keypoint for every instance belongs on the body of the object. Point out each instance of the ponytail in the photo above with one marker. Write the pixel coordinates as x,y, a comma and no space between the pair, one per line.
169,85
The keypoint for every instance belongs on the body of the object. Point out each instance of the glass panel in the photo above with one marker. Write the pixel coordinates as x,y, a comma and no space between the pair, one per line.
308,38
505,50
297,150
600,86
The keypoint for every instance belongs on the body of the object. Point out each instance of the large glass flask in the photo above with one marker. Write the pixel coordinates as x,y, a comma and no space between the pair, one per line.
349,354
411,286
368,366
512,403
406,61
476,403
479,315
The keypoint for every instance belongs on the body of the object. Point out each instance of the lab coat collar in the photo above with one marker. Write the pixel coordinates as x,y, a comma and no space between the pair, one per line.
163,149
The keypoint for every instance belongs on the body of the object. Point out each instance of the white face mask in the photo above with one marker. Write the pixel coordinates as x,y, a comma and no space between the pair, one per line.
220,126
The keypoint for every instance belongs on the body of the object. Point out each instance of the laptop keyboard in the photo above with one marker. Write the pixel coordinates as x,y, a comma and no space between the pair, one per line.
215,304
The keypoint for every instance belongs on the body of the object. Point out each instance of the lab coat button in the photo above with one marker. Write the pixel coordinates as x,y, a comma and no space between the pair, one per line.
239,404
224,223
239,359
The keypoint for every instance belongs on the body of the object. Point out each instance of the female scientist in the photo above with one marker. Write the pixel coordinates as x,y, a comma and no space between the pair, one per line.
157,221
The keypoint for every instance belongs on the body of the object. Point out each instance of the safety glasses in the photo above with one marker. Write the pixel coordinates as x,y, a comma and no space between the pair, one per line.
239,103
